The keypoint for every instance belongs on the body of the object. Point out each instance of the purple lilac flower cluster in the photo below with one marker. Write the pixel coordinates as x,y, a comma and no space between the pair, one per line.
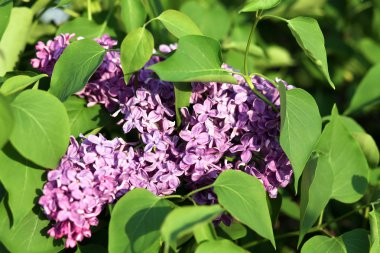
95,173
229,127
226,127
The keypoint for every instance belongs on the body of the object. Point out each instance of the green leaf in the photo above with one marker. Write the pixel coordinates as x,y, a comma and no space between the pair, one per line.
301,126
183,220
244,197
182,93
367,92
198,58
354,241
21,179
219,246
323,244
346,160
19,82
290,208
234,231
6,121
255,5
14,38
341,173
29,235
82,118
133,14
136,49
370,50
41,132
316,189
5,13
211,17
374,221
178,23
82,27
369,148
135,222
310,38
80,59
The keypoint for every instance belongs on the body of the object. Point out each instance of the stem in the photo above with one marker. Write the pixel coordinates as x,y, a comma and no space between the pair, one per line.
198,190
261,96
274,17
265,77
172,197
89,11
257,19
321,218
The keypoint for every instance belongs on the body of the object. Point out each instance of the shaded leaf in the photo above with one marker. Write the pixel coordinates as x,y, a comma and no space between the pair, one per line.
82,27
244,197
80,59
135,222
369,148
367,92
183,220
219,246
341,173
198,58
18,83
5,13
255,5
182,93
82,118
178,23
133,14
301,126
374,221
21,179
14,39
6,121
41,132
29,235
310,38
211,17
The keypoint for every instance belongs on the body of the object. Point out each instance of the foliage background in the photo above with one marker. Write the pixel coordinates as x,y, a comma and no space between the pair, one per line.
352,34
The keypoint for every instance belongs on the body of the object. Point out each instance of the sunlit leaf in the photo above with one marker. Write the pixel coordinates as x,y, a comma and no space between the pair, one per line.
178,23
198,58
74,67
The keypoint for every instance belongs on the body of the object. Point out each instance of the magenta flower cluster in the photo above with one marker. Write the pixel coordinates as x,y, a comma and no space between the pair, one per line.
225,127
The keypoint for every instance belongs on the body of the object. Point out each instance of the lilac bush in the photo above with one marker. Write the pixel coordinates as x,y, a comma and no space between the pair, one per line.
225,127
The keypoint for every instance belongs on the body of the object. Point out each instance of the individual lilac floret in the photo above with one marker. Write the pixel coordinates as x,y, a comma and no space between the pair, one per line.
228,126
48,54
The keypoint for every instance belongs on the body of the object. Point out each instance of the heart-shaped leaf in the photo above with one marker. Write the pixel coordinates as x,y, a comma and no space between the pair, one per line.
255,5
18,82
41,132
135,222
244,197
74,67
133,14
183,220
299,112
310,38
178,23
198,58
136,50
